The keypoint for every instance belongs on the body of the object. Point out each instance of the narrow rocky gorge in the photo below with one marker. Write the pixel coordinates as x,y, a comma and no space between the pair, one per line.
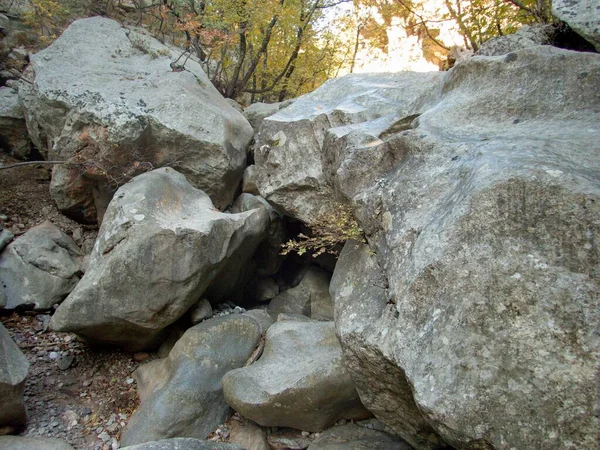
464,317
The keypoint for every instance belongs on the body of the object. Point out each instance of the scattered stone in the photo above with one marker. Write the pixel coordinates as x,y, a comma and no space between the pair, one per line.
247,434
298,382
141,356
65,361
525,37
354,437
14,138
5,238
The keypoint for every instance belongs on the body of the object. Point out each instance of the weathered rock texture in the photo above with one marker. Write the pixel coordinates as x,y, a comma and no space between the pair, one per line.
481,301
525,37
583,16
40,268
472,316
354,437
181,394
289,172
13,131
183,444
13,370
29,443
161,245
106,96
298,382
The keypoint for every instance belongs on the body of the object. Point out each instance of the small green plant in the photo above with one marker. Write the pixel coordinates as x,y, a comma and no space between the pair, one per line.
328,230
47,18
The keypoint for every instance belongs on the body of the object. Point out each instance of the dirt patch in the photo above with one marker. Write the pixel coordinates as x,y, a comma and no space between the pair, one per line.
81,394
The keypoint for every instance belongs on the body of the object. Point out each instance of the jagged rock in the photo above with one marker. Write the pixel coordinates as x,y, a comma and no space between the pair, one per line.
202,310
299,381
14,138
266,289
354,437
181,395
13,370
183,444
30,443
583,16
310,298
525,37
257,112
160,247
477,305
47,259
107,96
288,154
288,439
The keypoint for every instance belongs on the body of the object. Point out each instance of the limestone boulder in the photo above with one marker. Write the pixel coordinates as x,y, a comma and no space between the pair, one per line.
288,150
583,16
473,315
13,130
13,370
181,395
160,247
299,381
40,268
257,112
106,98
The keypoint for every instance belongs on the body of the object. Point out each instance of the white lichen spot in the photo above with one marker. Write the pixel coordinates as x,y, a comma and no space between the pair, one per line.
516,276
554,173
139,217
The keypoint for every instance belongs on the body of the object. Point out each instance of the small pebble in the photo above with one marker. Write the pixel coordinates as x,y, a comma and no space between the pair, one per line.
53,355
104,436
130,381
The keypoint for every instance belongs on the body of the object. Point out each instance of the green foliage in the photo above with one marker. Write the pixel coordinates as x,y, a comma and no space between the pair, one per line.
328,230
47,18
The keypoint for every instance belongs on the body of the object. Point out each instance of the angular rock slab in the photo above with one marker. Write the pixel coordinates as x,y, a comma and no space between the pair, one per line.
181,395
40,267
485,260
299,381
288,149
354,437
106,95
183,444
160,246
583,16
29,443
13,370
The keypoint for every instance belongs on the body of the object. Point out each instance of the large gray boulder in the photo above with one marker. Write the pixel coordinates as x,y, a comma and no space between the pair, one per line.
583,16
181,395
161,245
476,312
31,443
13,370
106,97
13,131
183,444
39,268
288,150
299,381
